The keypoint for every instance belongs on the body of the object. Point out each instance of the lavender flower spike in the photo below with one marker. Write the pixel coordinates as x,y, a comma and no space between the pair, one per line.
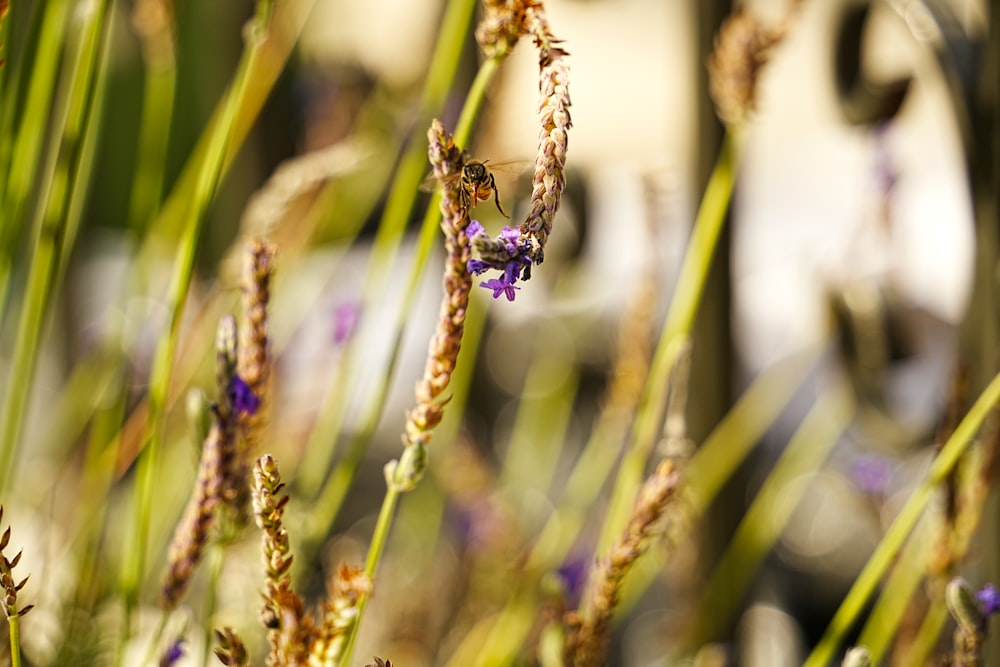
442,352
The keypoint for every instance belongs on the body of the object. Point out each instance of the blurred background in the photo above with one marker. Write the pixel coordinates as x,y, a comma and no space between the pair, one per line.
850,256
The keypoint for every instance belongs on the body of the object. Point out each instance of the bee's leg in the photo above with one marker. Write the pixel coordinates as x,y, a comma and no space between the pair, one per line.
463,197
496,196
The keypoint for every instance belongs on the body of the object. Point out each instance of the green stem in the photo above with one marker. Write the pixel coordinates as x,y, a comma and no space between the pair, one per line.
402,194
772,508
726,447
899,589
334,489
15,640
205,189
375,549
20,182
10,84
88,148
592,467
892,542
543,415
50,225
927,636
463,130
154,130
680,318
287,24
216,560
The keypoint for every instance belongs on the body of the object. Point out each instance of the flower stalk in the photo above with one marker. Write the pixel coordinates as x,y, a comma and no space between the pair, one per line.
590,627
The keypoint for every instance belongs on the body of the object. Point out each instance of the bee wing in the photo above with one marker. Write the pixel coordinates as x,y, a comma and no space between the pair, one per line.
432,183
515,167
429,184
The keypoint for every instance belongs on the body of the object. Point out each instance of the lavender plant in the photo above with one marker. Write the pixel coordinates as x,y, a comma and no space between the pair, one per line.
529,509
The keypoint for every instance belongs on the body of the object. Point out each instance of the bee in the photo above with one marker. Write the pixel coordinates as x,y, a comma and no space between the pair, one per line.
475,181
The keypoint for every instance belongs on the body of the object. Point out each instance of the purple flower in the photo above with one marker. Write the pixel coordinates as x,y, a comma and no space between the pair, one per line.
512,272
871,473
345,318
989,599
510,238
242,398
573,573
474,228
477,266
173,653
500,286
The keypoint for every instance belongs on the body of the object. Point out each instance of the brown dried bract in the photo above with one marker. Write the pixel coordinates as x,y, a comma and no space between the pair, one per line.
742,49
442,353
588,631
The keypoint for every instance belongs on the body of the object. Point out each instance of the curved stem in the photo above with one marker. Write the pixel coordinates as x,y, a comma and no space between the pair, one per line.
402,194
473,103
208,179
680,318
895,537
57,187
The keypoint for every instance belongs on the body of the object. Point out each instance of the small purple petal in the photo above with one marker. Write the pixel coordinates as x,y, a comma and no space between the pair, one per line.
474,228
510,292
512,272
500,286
173,653
510,237
477,266
345,319
871,473
573,573
989,599
242,398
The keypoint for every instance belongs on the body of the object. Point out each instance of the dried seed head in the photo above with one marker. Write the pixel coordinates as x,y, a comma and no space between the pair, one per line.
258,272
231,649
502,25
249,387
504,22
215,476
290,629
742,48
589,631
192,532
8,584
339,614
446,160
549,179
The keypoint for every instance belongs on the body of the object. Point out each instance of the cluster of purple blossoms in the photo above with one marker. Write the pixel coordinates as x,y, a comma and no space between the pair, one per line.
507,253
